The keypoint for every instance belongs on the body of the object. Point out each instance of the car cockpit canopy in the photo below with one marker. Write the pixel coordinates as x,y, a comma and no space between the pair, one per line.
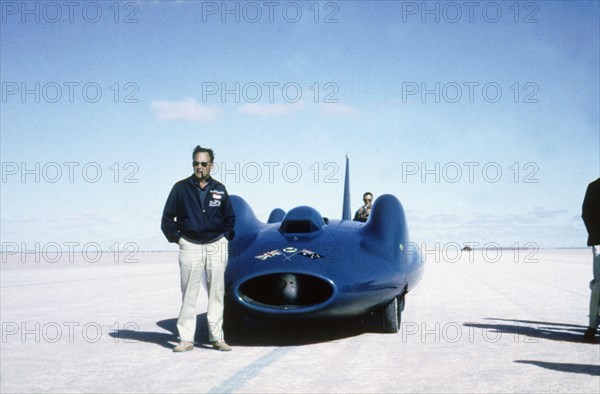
302,220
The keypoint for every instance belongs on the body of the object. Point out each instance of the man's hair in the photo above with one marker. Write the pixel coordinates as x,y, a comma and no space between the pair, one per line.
367,194
199,149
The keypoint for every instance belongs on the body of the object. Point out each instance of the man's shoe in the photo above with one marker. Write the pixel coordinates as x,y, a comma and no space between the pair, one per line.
589,335
184,346
221,346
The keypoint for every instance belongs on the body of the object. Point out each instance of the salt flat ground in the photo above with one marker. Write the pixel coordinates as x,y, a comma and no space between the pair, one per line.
473,324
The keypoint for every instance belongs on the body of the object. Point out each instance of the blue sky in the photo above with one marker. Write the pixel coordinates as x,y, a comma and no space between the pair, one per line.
483,121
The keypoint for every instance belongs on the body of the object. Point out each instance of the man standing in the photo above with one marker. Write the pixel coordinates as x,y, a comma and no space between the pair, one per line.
198,216
591,218
363,212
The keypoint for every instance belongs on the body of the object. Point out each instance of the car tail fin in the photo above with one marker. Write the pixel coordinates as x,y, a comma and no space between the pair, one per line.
346,213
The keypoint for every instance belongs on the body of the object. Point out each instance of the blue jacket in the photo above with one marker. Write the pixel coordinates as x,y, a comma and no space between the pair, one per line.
590,212
184,215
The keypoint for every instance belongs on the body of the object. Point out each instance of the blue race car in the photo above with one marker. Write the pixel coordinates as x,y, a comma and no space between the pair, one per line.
300,265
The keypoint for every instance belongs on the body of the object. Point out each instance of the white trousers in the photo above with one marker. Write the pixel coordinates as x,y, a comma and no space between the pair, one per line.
194,262
595,287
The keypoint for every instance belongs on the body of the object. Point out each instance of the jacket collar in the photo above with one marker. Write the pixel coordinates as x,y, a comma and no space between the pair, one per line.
194,180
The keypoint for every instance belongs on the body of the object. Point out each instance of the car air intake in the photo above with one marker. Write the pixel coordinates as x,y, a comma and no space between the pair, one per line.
286,290
298,226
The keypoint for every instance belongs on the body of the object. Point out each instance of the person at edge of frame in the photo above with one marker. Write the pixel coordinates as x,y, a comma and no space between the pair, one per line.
590,212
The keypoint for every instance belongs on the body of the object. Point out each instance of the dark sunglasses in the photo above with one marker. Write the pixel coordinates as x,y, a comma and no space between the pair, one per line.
200,163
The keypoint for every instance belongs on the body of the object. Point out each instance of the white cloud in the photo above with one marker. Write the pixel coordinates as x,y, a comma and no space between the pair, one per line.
338,110
270,109
188,109
540,212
